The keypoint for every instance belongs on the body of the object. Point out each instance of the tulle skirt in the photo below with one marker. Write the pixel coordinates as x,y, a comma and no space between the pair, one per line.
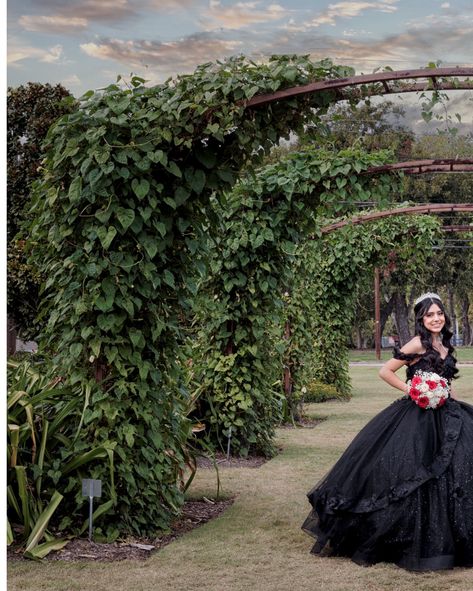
402,491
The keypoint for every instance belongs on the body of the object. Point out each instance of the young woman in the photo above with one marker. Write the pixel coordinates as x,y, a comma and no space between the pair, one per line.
402,491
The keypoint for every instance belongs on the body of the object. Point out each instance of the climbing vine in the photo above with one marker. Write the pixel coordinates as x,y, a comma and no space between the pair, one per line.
256,249
325,294
118,219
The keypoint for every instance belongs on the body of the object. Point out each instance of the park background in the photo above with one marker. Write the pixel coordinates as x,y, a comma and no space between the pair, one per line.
87,46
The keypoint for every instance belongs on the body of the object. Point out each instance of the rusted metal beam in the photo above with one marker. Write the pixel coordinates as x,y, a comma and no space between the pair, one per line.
457,228
380,80
409,210
423,166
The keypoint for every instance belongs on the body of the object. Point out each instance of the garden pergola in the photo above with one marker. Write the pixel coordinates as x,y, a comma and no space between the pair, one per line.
381,83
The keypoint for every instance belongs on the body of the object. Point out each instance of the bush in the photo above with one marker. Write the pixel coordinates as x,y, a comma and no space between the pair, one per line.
47,459
317,391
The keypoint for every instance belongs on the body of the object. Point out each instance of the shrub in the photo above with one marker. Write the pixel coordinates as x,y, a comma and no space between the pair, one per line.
317,391
46,459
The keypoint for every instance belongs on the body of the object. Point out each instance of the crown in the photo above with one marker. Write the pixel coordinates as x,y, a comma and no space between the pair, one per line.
430,295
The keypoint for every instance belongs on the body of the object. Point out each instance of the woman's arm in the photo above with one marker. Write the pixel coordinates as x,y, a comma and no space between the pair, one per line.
387,372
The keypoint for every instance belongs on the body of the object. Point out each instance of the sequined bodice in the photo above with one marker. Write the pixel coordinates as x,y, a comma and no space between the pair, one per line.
446,368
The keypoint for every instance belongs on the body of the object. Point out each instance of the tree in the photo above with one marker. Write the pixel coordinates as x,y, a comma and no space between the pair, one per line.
31,110
372,125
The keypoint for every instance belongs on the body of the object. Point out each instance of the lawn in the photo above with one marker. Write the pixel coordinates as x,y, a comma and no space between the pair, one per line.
257,544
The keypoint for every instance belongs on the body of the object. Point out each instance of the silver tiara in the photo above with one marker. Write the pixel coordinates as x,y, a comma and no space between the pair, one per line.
425,296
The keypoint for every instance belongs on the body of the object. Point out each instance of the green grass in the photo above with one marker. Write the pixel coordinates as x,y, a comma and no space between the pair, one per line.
257,544
463,354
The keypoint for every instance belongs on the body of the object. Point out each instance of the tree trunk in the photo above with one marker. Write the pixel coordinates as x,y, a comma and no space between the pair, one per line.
466,328
453,315
401,321
386,311
359,341
11,337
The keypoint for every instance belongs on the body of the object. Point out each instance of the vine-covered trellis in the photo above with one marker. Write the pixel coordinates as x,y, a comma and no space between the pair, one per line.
134,181
117,220
263,221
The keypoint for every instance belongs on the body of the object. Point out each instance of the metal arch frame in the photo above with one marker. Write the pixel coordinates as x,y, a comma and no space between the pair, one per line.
415,209
425,166
428,208
376,84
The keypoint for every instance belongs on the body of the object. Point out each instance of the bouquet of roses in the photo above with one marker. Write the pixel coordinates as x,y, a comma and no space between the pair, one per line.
428,390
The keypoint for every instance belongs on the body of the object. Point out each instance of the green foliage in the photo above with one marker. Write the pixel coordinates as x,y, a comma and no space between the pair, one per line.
45,459
119,216
373,126
255,254
317,391
326,296
31,110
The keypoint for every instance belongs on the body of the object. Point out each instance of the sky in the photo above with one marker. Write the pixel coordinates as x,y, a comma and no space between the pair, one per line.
86,44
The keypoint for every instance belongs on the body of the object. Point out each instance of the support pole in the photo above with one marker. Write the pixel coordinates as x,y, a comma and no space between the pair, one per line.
287,369
91,512
377,314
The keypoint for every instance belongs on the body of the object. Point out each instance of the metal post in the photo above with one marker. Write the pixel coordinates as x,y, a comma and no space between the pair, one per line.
91,488
377,314
91,502
229,442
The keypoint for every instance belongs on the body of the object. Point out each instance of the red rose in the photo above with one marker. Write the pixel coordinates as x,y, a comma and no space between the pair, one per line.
423,401
416,380
441,402
432,385
414,393
443,383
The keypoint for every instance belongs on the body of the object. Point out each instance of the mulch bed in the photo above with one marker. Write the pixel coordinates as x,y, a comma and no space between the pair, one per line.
232,462
194,513
304,422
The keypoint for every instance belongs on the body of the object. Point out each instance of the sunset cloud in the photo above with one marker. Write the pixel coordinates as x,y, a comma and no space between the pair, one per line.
240,14
351,10
170,5
423,42
71,81
175,56
52,24
91,10
17,53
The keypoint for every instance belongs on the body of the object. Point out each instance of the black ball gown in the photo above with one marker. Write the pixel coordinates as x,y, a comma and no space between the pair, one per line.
402,492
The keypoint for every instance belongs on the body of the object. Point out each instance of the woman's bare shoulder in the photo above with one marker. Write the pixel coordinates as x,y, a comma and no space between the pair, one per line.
413,346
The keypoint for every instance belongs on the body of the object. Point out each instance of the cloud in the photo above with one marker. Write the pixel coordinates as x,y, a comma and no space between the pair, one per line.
240,15
72,80
176,56
53,24
170,5
350,10
53,56
421,43
91,10
18,52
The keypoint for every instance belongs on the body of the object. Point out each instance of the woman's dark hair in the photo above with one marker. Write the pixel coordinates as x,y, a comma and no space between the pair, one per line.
431,354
